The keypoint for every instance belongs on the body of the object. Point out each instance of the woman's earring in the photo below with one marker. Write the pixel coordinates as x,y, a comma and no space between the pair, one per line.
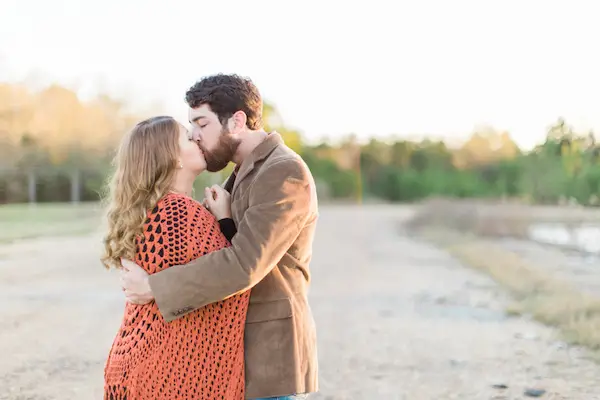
180,165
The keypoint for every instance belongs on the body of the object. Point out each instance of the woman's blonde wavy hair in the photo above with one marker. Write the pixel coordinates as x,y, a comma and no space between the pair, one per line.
145,167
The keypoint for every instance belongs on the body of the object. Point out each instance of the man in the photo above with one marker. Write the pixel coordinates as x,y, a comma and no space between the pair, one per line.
274,206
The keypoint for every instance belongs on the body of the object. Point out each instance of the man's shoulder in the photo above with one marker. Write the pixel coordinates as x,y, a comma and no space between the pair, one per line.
288,163
284,168
283,152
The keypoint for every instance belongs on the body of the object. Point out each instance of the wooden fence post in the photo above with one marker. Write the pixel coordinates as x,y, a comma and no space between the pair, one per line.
75,186
32,186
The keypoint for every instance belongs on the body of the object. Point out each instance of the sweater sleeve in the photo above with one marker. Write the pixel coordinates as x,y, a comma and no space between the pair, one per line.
188,230
176,227
228,228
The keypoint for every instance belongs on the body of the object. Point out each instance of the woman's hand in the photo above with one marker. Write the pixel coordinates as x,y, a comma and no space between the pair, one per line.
218,201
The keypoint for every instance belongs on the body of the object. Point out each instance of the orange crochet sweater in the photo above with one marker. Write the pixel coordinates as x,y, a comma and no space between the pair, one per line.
198,356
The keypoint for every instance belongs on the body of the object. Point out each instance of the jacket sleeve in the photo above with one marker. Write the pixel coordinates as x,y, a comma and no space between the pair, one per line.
280,203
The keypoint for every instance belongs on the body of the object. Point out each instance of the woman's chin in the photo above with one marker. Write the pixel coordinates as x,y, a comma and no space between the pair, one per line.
200,170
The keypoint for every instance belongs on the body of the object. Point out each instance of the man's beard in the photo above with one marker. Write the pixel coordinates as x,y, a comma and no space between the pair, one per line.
218,158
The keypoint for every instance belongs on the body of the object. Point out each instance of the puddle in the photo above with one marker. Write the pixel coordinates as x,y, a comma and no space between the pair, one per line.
583,237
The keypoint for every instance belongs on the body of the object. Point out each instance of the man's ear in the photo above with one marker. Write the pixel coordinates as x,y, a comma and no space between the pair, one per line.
238,120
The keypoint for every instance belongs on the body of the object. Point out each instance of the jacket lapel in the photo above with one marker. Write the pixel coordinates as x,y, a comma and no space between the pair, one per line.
228,184
273,140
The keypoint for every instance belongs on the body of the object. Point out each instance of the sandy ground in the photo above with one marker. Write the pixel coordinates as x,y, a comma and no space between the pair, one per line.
397,319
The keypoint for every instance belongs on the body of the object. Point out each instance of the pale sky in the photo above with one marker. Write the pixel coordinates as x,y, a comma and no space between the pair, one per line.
331,67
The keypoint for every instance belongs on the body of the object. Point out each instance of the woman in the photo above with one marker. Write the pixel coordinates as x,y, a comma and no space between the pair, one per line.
153,219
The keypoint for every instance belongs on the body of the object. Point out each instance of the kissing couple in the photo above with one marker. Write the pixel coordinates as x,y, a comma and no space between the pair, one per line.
216,291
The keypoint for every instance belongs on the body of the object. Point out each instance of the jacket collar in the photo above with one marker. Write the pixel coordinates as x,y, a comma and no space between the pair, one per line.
261,151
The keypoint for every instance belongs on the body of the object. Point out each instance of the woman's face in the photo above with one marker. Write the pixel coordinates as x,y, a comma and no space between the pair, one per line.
190,155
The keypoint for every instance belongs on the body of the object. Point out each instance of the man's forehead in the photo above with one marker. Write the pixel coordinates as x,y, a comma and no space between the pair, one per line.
198,112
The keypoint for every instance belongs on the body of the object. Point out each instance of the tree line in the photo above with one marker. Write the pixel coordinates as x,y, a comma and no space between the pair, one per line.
564,168
56,147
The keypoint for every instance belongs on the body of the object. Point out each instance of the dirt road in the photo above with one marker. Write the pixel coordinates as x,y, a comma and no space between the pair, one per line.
397,319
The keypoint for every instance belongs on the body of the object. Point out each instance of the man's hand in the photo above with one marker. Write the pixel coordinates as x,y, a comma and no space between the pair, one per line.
134,281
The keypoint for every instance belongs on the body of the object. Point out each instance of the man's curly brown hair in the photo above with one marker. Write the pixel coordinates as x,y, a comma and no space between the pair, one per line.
226,95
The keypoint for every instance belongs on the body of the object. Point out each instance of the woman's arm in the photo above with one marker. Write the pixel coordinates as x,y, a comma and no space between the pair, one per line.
191,231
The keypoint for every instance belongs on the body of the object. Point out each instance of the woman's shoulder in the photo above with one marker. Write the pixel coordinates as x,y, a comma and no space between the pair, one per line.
175,203
169,203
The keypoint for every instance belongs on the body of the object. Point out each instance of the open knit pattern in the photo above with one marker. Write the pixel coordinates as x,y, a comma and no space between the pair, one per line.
199,356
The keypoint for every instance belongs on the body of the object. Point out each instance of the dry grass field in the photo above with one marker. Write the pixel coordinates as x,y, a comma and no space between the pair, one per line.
476,233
